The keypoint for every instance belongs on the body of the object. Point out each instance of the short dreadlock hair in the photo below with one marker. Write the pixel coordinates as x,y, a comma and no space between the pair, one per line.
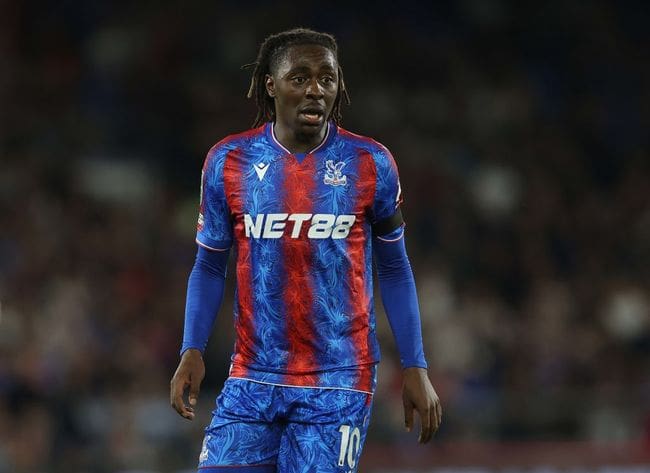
271,50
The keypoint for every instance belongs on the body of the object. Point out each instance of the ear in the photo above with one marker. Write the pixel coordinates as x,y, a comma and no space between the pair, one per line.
270,85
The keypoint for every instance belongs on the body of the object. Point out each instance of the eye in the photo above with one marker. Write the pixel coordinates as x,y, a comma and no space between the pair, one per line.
328,80
299,80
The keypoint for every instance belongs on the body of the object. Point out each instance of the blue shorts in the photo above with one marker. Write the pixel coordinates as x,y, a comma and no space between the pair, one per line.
287,429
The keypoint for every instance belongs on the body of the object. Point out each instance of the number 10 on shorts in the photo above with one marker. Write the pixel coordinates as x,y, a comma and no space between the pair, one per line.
350,441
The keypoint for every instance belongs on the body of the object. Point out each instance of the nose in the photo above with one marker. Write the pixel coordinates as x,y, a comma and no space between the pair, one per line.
314,90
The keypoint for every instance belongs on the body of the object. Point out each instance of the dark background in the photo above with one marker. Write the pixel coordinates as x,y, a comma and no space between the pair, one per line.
521,133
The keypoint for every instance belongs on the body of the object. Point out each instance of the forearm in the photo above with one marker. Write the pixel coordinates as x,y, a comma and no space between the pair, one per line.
205,290
399,296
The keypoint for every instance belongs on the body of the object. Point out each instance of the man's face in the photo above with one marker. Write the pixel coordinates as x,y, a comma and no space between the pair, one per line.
304,85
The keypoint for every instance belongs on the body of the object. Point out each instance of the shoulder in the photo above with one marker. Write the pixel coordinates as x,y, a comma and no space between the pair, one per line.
237,141
380,153
363,142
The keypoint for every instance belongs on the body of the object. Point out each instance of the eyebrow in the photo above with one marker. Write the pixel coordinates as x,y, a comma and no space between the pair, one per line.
325,68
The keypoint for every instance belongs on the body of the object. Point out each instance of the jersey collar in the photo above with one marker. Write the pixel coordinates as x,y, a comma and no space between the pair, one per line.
329,136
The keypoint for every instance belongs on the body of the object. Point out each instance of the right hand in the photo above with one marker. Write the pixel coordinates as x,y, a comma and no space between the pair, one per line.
190,373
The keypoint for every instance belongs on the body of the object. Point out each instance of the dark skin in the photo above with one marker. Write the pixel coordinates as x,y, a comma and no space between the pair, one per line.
304,85
189,374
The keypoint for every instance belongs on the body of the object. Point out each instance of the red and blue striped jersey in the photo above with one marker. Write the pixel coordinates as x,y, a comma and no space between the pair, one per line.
302,231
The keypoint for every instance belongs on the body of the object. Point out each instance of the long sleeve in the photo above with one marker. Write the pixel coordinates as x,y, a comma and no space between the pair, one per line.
399,296
205,290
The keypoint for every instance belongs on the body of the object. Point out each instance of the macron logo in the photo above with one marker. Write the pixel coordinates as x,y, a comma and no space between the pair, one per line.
260,169
321,226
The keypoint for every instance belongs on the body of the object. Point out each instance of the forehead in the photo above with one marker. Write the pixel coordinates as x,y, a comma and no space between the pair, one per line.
310,56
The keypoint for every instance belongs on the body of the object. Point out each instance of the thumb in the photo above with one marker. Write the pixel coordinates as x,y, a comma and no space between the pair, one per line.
408,415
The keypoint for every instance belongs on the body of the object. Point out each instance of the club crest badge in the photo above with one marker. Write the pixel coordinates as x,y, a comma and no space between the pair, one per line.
333,174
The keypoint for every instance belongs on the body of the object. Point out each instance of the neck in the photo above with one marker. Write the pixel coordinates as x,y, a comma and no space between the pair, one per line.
297,142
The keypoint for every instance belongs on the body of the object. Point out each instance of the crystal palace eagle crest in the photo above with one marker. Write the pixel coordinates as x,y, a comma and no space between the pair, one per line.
333,174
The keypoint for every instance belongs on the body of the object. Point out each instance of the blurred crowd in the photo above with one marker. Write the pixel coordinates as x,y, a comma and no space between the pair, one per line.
521,133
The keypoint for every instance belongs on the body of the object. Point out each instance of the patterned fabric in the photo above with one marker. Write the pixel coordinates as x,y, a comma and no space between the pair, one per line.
302,231
296,429
364,376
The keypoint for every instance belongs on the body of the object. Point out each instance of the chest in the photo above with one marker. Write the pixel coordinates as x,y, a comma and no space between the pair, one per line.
331,184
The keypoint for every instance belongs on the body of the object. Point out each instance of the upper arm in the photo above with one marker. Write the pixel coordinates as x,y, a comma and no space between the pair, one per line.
214,228
387,215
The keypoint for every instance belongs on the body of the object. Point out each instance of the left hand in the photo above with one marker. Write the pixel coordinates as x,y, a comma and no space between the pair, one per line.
189,374
418,394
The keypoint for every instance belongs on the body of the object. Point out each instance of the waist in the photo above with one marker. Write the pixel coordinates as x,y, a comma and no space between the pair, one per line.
362,378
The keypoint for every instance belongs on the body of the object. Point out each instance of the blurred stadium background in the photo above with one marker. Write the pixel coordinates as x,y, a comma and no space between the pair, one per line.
521,131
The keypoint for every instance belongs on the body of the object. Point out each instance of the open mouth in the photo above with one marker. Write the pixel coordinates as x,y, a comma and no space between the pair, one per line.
312,116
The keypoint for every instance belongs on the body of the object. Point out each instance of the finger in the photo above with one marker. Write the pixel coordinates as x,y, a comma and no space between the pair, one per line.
425,425
185,411
177,400
438,415
434,420
195,386
178,405
408,416
173,394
